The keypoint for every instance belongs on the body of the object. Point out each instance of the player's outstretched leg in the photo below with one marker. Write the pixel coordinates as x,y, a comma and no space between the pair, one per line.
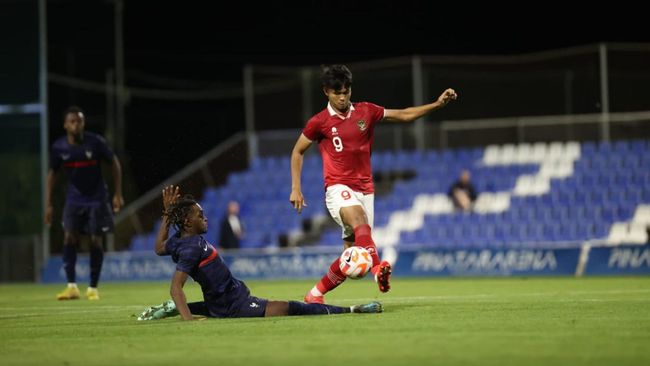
299,308
164,310
372,307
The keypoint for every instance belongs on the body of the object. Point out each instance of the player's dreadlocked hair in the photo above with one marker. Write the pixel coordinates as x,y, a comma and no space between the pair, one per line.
178,211
336,77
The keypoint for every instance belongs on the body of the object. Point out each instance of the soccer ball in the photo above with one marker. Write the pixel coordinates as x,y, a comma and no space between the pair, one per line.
355,262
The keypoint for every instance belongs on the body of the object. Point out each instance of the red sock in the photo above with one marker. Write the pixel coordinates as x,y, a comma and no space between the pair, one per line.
363,238
332,279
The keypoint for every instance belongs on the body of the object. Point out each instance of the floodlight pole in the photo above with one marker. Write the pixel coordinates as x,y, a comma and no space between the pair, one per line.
249,112
44,135
604,94
418,99
120,97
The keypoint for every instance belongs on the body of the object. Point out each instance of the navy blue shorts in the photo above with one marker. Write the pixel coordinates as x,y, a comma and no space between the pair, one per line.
251,308
88,219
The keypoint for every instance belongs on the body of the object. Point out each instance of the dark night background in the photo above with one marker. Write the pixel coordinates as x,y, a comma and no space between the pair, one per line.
193,44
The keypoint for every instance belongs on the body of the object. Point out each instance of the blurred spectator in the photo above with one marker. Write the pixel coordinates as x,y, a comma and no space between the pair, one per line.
462,192
232,229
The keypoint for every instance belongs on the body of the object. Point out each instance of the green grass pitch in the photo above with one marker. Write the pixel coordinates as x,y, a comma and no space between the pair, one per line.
463,321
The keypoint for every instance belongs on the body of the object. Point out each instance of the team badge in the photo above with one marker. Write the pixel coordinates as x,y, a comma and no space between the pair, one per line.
362,125
89,154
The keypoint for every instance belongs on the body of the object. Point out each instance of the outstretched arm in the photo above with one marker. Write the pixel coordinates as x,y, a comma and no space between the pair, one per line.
169,195
412,113
178,295
118,200
297,156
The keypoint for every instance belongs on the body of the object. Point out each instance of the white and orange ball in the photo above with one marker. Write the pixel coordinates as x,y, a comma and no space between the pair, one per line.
355,262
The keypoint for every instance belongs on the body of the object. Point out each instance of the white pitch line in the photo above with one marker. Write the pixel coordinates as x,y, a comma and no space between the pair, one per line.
56,313
511,295
402,299
54,308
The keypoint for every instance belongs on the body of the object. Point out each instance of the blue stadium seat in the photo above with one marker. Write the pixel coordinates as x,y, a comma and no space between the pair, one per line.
609,181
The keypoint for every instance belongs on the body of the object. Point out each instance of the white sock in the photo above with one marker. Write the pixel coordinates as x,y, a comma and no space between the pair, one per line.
314,292
72,285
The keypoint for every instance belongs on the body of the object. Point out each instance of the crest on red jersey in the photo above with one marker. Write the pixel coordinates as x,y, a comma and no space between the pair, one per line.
362,125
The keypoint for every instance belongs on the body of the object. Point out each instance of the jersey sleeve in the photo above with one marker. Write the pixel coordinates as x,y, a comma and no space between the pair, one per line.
55,159
103,149
313,129
167,246
376,112
188,259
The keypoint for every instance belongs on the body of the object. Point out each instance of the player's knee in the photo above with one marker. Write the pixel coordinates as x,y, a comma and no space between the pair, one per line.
277,308
348,242
96,242
70,238
355,219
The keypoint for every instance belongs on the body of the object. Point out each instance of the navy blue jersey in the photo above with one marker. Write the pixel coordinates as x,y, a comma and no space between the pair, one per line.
223,294
82,164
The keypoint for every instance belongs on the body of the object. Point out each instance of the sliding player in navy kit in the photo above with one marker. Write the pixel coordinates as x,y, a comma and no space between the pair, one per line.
224,296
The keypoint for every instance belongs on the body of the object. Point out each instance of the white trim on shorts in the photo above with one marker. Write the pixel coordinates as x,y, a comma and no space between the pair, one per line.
335,199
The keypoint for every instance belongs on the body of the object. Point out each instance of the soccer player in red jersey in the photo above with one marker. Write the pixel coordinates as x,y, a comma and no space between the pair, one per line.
344,133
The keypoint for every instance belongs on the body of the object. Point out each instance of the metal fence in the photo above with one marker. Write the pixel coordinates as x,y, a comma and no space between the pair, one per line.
588,93
595,92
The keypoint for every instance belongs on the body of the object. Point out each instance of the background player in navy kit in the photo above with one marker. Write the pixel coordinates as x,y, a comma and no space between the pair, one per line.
87,209
344,133
224,296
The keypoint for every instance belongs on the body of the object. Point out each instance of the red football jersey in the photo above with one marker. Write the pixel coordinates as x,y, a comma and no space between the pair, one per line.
345,144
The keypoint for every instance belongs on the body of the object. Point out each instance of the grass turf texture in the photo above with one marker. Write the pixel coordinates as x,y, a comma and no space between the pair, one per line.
512,321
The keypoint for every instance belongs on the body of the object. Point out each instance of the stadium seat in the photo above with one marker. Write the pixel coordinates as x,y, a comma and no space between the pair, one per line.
529,194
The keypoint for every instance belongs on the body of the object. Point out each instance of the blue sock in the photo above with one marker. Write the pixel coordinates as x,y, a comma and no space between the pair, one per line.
96,260
69,262
301,308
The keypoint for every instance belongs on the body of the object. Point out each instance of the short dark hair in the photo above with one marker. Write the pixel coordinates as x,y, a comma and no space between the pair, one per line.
336,77
74,110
